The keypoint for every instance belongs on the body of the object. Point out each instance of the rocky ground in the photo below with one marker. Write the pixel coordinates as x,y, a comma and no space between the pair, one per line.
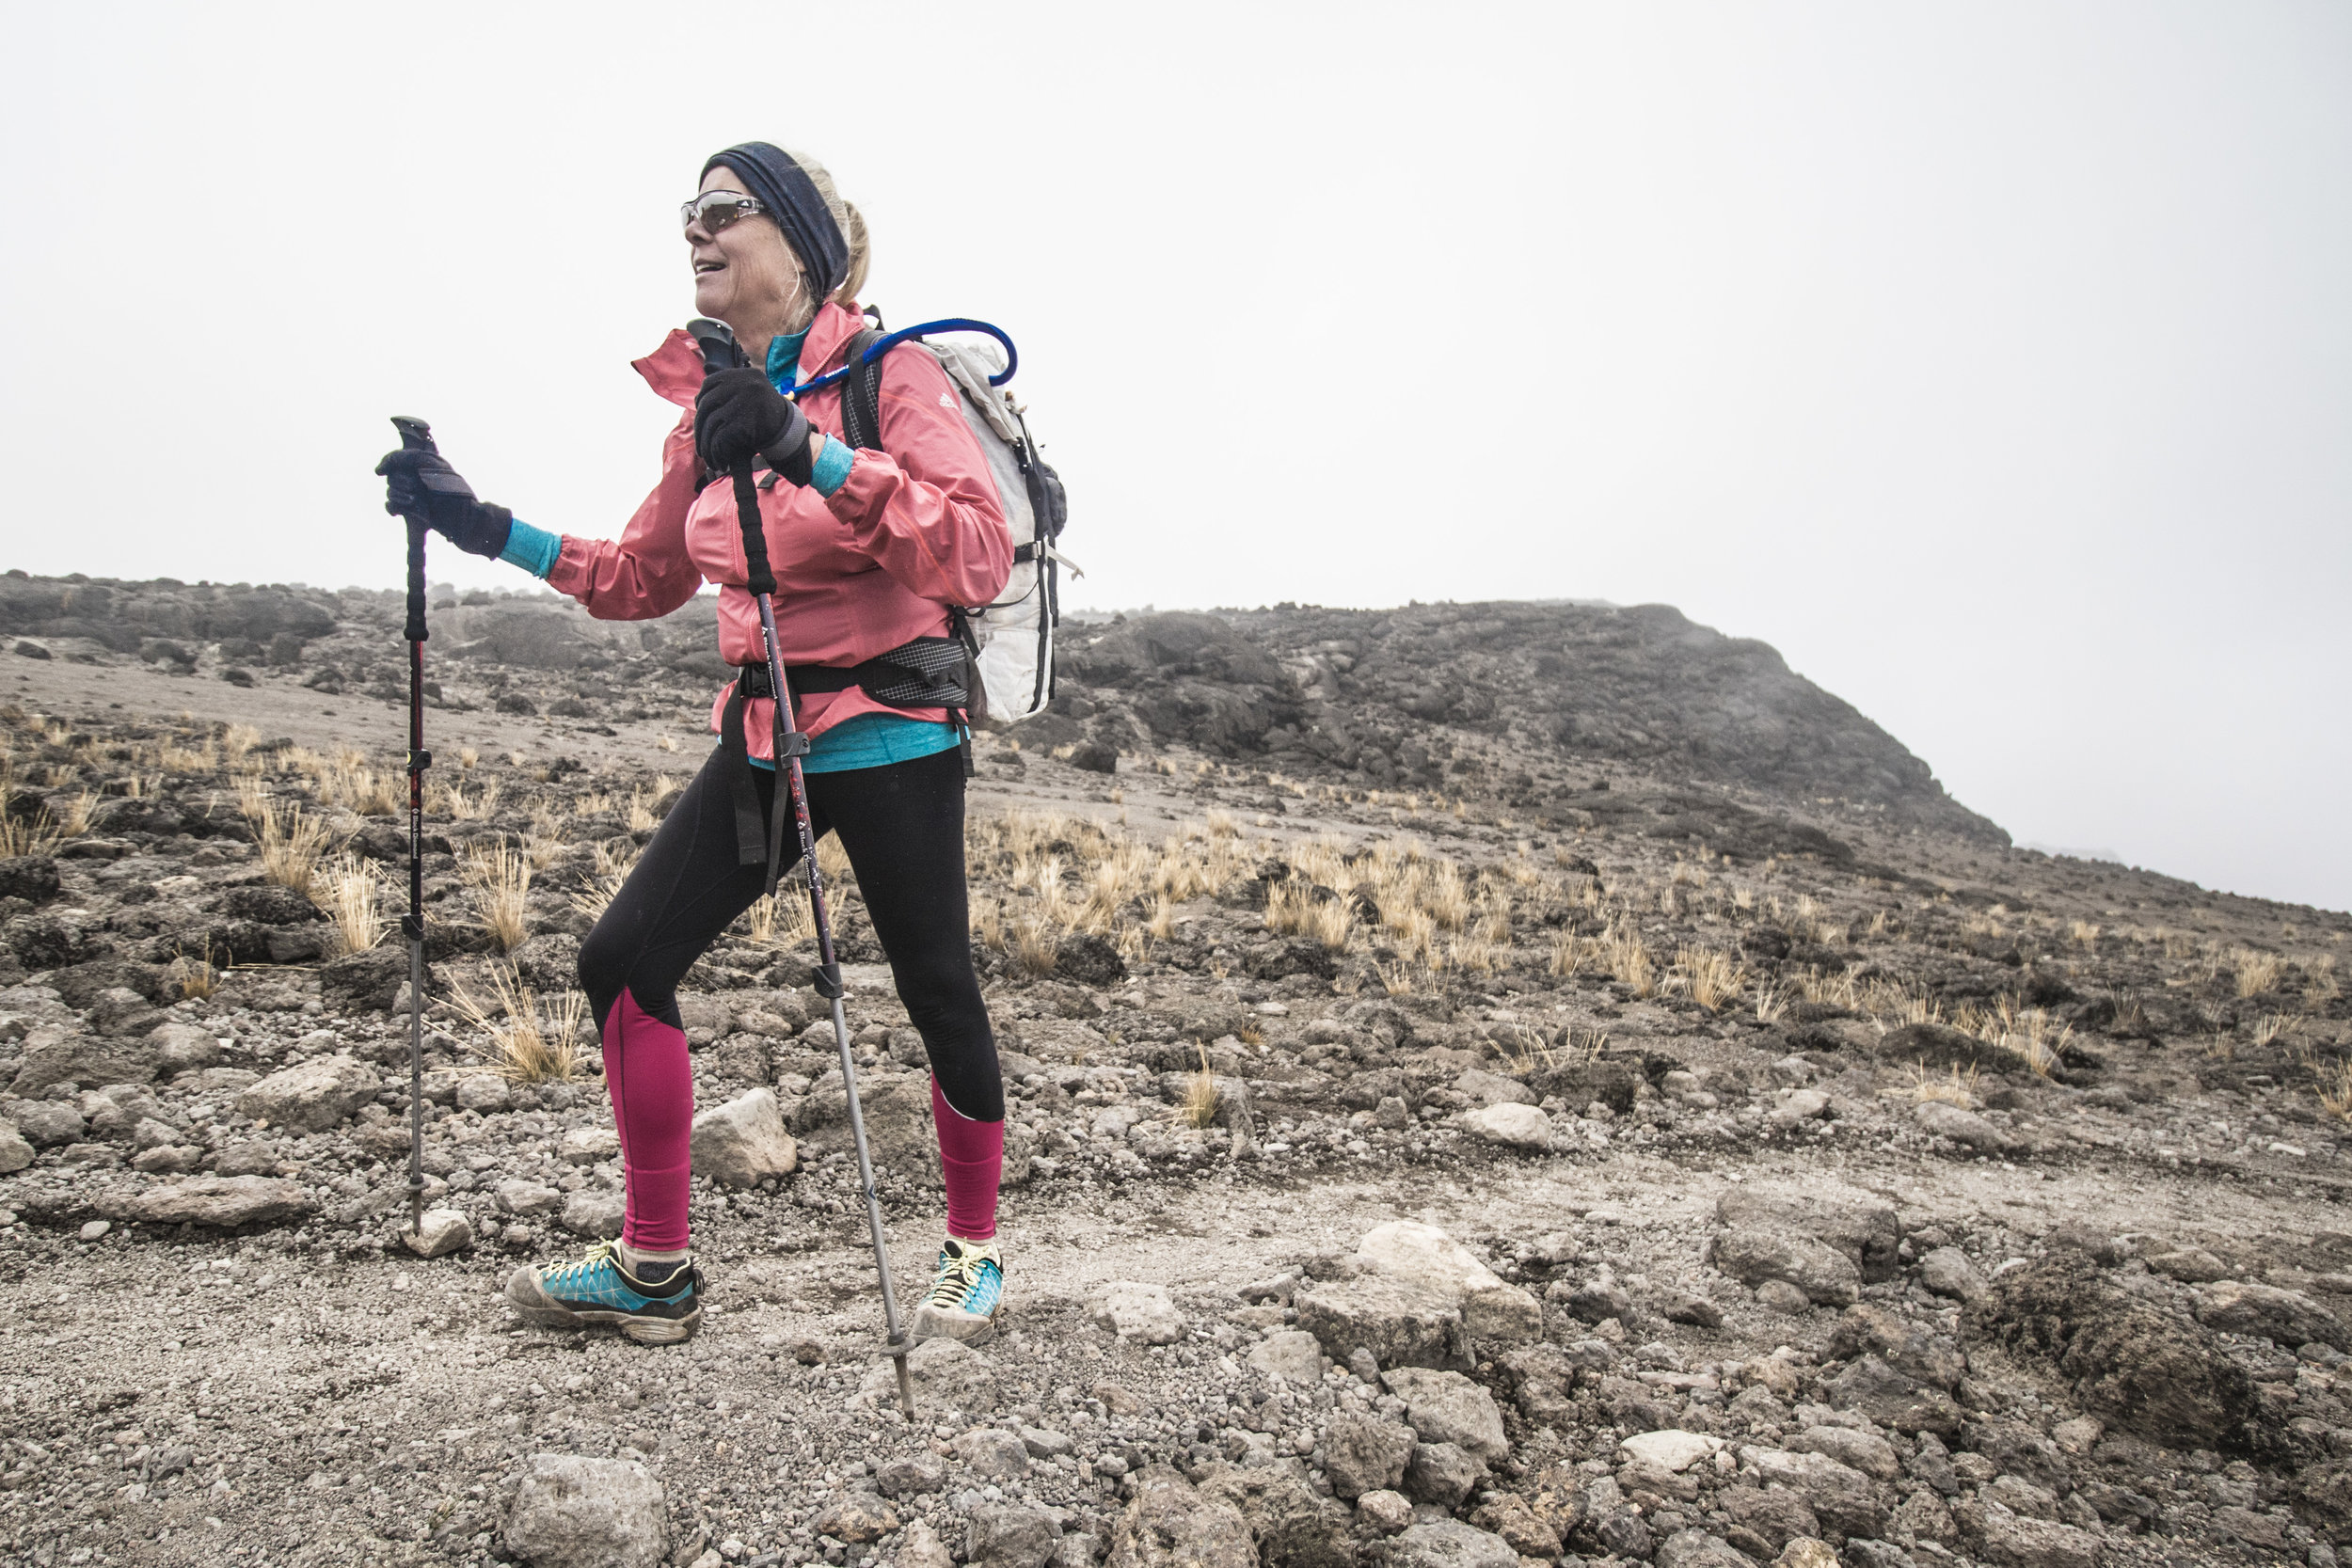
1489,1083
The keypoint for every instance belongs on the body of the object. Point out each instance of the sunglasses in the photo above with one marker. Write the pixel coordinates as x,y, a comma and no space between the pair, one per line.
717,209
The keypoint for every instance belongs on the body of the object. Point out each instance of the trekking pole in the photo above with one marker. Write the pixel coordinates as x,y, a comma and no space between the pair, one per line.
416,436
722,353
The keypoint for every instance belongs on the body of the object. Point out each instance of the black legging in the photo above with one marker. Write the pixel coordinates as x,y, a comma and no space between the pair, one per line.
902,826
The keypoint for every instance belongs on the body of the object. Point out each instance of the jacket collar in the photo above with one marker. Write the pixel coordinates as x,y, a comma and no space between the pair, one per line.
674,370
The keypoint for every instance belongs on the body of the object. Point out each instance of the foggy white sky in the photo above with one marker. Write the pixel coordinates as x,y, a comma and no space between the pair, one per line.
1993,362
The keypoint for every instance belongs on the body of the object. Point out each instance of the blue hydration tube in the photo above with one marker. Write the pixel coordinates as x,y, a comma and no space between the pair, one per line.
883,345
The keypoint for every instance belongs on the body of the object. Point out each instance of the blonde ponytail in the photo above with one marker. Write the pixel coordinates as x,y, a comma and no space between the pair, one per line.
850,222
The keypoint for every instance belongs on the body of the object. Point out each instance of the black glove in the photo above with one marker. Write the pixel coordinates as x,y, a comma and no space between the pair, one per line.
421,483
738,416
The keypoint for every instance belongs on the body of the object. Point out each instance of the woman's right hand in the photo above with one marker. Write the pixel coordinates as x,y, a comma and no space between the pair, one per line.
421,483
738,416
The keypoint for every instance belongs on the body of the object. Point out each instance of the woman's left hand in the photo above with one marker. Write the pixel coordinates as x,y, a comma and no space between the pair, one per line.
738,416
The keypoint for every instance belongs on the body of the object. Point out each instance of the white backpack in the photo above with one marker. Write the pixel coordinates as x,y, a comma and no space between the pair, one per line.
1010,640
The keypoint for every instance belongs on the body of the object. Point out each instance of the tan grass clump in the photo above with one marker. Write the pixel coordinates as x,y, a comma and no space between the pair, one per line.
526,1046
194,978
351,899
613,860
501,881
292,843
347,781
2257,972
1954,1090
1708,978
2335,1090
1293,909
1201,1095
452,800
1625,956
782,918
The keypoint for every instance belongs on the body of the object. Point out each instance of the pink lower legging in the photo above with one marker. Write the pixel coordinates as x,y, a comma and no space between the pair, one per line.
651,1081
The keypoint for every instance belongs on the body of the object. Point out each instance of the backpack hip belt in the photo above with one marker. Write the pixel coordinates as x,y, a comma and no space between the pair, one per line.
928,672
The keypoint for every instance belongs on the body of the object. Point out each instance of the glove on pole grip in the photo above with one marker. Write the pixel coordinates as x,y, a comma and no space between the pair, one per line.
415,436
720,352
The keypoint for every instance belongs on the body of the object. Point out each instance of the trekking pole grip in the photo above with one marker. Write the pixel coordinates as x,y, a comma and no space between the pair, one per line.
415,436
720,352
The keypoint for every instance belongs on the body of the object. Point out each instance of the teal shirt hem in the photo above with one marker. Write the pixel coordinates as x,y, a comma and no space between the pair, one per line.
874,741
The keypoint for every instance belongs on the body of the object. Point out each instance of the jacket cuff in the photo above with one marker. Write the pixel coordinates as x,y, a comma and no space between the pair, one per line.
832,467
534,550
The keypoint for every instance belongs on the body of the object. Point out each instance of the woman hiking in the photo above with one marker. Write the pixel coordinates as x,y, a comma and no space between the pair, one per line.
869,548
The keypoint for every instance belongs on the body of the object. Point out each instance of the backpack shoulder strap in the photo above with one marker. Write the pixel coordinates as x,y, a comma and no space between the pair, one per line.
861,394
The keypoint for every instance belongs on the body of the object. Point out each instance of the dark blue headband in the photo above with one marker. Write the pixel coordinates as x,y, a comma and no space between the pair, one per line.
791,199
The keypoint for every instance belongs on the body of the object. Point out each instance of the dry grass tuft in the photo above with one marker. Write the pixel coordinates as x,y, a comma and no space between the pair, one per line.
291,847
782,919
2335,1090
347,781
2270,1026
1710,978
352,897
1034,944
1625,956
1772,1005
1954,1090
526,1046
1293,909
501,883
1201,1095
614,859
2257,972
196,978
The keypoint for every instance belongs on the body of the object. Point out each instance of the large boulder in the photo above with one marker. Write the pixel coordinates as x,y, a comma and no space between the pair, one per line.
313,1096
1401,1323
223,1202
53,1057
1863,1226
1752,1256
573,1511
1443,1543
1364,1453
31,878
2286,1318
1425,1256
2155,1375
742,1143
1291,1525
1839,1494
1133,1311
1447,1407
1170,1525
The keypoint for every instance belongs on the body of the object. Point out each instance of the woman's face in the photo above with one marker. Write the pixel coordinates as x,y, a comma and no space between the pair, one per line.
745,275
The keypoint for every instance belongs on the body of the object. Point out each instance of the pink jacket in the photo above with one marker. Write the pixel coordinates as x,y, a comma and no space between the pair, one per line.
914,529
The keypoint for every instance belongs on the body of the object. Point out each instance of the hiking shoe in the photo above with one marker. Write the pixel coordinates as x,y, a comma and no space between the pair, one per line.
657,1310
966,1295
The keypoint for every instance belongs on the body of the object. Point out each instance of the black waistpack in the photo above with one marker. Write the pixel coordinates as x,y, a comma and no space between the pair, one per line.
929,671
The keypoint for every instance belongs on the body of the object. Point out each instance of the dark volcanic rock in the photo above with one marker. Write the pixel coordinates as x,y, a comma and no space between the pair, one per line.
31,878
2160,1376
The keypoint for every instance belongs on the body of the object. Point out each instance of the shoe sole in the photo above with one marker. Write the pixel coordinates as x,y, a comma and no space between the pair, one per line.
931,1323
542,1311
